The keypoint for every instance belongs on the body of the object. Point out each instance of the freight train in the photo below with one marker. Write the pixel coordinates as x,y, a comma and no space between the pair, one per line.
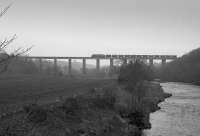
103,56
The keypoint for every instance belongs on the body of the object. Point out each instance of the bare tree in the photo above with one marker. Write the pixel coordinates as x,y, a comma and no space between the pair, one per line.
4,10
5,57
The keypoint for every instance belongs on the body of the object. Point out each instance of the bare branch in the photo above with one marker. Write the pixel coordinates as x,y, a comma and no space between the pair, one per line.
6,42
21,51
4,10
4,57
16,53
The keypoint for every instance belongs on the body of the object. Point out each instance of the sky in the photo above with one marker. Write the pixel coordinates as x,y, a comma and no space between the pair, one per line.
86,27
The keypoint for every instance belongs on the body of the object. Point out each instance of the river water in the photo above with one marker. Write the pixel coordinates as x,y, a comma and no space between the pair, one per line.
179,114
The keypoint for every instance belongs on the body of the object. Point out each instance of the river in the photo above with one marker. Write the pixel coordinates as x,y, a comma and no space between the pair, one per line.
180,114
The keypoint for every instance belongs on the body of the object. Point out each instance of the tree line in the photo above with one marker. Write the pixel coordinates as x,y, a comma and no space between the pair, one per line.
183,69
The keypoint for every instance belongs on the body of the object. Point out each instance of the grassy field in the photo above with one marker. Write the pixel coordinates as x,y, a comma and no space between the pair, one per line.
112,109
17,90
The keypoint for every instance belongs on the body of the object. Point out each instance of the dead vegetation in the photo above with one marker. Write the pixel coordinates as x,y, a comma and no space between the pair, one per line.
100,111
99,108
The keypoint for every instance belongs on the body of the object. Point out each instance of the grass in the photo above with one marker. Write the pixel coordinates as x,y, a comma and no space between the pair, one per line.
17,90
81,115
85,107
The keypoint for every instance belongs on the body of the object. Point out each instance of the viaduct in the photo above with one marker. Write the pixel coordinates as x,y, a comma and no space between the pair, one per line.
99,57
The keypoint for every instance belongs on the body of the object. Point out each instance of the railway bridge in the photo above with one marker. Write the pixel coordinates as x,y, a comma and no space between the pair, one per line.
99,57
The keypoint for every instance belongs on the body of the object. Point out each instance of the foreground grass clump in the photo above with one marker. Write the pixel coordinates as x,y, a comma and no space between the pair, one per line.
106,100
35,113
71,106
90,114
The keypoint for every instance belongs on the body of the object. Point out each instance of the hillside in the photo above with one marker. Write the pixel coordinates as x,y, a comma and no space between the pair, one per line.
184,69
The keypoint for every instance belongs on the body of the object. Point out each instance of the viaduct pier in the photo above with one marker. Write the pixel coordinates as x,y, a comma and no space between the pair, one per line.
99,57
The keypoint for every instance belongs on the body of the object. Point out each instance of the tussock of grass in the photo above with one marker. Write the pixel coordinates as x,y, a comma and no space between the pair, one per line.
71,106
105,101
35,113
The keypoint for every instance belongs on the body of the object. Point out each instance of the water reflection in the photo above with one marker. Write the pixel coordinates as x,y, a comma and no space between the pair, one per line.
179,114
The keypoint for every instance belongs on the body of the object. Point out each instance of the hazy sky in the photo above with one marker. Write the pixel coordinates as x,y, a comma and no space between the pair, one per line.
84,27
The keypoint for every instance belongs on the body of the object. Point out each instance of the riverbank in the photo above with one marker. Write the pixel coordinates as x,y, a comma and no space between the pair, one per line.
179,113
107,110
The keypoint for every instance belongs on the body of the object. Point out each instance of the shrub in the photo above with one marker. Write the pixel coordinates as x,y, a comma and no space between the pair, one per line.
183,69
134,73
105,101
71,106
139,116
36,114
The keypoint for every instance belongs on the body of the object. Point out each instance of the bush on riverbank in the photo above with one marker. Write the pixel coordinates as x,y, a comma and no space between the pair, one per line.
134,73
134,77
184,69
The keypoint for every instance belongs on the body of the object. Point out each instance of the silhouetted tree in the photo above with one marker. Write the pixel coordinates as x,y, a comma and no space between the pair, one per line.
133,76
184,69
135,72
4,56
